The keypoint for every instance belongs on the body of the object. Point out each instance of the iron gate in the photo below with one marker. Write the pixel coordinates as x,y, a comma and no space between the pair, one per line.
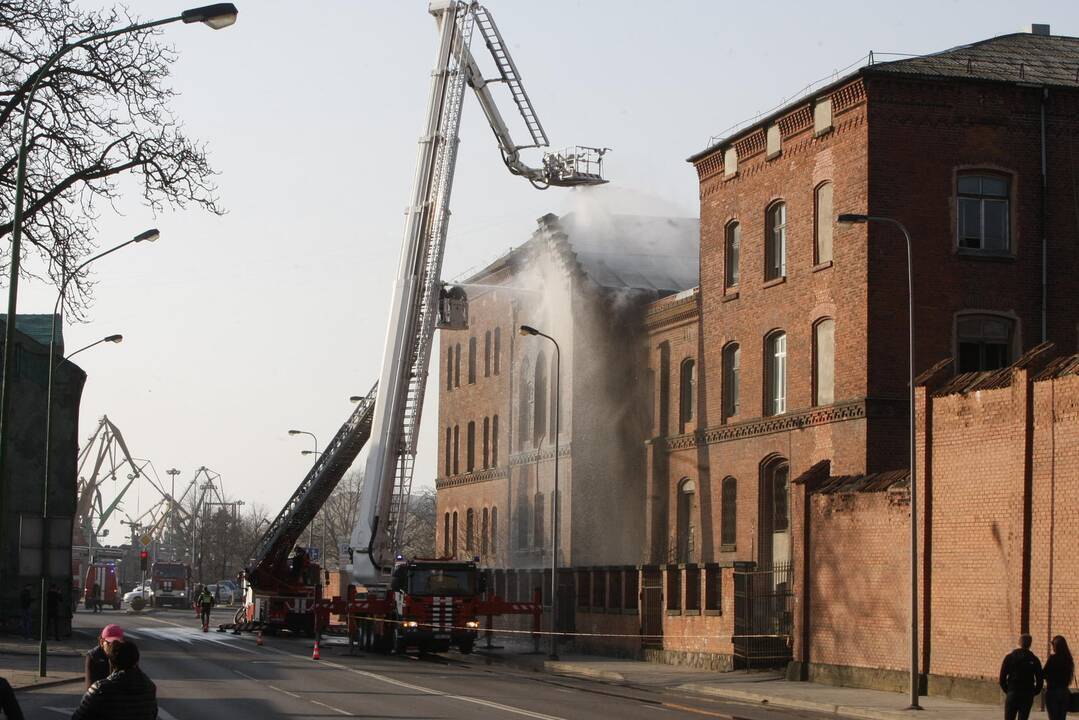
763,618
652,608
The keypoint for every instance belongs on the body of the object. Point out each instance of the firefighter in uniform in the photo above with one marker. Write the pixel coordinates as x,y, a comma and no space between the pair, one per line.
205,601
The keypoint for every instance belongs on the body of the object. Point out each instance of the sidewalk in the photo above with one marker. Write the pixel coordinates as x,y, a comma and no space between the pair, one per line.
18,660
757,687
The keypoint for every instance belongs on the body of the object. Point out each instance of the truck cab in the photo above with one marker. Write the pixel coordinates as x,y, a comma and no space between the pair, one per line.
436,603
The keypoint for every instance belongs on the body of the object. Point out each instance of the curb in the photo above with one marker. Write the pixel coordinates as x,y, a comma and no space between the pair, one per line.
851,711
47,684
561,668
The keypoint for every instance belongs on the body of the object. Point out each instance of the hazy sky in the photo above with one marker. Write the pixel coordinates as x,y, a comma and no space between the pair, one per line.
240,327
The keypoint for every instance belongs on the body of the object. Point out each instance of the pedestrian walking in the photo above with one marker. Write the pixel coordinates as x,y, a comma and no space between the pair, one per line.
1020,679
9,706
1059,672
52,610
95,598
205,602
97,660
126,694
26,603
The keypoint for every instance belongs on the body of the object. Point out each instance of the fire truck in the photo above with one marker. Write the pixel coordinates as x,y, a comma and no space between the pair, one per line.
171,584
102,574
392,603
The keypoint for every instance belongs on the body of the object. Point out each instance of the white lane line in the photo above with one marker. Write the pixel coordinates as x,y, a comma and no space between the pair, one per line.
298,697
431,691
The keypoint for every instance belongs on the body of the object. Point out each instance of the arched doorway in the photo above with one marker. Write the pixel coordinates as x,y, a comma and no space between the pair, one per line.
774,540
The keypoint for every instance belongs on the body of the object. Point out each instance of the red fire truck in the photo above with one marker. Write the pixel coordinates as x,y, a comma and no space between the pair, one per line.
171,584
102,574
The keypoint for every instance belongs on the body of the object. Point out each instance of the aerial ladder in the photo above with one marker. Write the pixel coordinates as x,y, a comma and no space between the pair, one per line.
387,421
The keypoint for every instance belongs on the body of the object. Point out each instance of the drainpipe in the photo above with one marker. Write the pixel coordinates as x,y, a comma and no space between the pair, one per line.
1044,221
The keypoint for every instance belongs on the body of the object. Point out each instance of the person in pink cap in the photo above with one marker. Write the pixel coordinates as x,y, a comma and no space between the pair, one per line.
97,660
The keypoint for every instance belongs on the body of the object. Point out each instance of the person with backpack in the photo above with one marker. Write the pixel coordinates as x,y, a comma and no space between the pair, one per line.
1059,672
1020,679
205,601
126,694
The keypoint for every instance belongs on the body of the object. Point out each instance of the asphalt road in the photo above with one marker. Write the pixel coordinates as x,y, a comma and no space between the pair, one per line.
220,676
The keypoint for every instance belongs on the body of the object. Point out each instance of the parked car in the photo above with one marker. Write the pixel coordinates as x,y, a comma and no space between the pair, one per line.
222,593
237,593
146,593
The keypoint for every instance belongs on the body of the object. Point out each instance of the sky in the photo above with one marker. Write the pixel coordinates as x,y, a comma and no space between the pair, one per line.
240,327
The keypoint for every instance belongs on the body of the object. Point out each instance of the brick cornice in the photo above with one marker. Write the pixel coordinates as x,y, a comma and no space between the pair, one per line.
531,456
671,313
478,476
851,410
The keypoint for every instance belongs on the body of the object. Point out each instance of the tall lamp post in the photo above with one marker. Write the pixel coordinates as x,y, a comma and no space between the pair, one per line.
529,330
217,16
310,528
172,473
853,218
43,617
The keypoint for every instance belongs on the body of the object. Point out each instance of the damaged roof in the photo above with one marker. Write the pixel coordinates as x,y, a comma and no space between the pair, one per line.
633,252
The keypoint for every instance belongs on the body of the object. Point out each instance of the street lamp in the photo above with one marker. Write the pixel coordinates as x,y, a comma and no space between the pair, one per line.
216,16
529,330
853,218
310,528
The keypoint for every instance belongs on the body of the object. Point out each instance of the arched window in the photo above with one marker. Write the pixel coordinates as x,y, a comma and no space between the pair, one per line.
775,373
487,354
537,520
494,531
524,512
539,402
983,342
446,535
775,512
775,255
825,221
456,448
470,530
732,379
494,441
449,368
484,530
486,442
664,388
554,419
453,534
498,350
472,361
471,454
728,531
457,365
732,241
449,451
824,362
687,497
525,400
687,393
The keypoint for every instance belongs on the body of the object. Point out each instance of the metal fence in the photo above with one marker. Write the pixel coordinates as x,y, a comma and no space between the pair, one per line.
763,618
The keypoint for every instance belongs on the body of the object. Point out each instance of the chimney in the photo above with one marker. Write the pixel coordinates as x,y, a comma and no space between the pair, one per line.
1039,29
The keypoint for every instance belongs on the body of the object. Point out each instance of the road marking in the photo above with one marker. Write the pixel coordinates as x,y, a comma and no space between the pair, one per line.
686,708
331,707
291,694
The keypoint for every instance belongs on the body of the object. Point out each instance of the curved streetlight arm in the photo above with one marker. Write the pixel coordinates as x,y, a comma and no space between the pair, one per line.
304,432
110,338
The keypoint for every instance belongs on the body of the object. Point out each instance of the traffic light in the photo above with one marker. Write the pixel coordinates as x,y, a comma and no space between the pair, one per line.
143,557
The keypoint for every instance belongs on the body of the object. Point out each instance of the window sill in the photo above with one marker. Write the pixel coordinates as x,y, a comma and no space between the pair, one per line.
988,255
692,613
731,176
713,613
775,281
728,296
673,612
822,266
727,547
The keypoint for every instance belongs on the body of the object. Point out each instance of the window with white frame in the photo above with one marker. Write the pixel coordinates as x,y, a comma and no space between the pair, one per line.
983,342
776,242
982,210
731,379
733,246
775,401
687,393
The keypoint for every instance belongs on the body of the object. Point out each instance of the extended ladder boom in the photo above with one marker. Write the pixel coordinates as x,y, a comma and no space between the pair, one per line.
409,335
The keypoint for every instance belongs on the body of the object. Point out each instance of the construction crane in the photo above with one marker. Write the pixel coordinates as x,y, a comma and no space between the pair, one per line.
279,593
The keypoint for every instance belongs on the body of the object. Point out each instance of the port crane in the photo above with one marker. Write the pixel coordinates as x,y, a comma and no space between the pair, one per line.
387,419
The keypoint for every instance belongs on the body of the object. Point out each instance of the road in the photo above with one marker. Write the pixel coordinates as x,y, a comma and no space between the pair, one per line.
220,676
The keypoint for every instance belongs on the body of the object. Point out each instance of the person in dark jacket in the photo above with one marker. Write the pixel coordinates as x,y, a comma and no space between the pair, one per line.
9,706
26,603
1020,679
126,694
52,609
1059,672
205,601
97,660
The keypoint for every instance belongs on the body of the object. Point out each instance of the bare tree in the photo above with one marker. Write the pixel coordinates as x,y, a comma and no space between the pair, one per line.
338,516
100,111
418,538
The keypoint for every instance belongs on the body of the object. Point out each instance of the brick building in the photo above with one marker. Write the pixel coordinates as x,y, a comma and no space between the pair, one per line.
584,280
